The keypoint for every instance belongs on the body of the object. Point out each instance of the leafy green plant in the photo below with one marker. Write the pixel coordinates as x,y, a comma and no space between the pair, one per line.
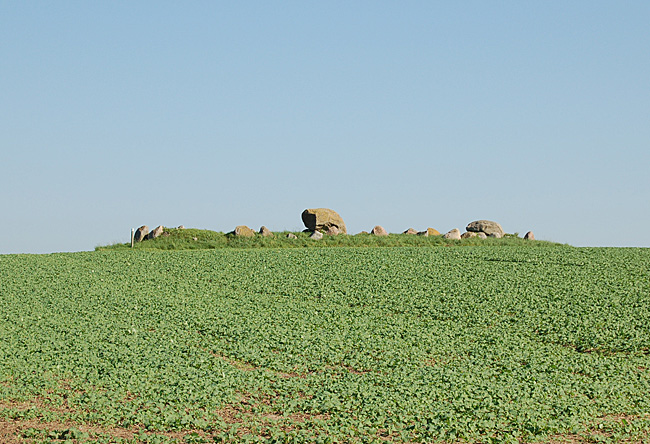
348,344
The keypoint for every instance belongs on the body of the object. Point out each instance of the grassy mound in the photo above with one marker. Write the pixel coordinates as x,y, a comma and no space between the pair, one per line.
195,239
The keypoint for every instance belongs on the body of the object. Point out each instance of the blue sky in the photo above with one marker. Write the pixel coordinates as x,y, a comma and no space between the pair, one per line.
404,114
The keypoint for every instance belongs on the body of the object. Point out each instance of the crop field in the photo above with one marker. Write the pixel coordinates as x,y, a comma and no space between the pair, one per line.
317,345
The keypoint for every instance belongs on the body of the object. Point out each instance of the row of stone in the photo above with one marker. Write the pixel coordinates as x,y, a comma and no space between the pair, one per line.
476,229
482,229
143,233
243,230
324,221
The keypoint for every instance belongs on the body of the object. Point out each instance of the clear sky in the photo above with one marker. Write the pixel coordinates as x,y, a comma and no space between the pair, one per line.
405,114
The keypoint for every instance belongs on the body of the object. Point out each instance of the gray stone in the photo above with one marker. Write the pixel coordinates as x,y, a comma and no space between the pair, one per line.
291,236
411,231
155,232
332,231
482,235
453,234
379,231
316,235
488,227
468,234
243,230
141,233
265,232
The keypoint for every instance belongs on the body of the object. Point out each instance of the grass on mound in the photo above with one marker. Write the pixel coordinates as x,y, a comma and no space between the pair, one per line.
196,239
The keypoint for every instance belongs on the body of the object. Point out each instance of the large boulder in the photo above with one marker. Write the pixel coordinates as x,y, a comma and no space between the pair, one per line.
243,230
410,231
488,227
433,232
320,219
379,231
529,236
141,233
155,232
453,234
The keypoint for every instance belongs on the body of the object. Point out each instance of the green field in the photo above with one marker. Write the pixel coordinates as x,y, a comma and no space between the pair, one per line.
403,344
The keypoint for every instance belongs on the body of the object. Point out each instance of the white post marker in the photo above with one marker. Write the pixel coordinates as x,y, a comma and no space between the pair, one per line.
132,236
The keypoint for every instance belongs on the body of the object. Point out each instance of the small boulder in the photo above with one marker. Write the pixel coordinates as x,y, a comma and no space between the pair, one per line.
265,232
433,232
316,235
291,236
529,236
468,234
411,231
181,227
320,219
488,227
155,232
363,232
243,230
332,231
195,238
423,233
482,235
453,234
379,231
141,233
